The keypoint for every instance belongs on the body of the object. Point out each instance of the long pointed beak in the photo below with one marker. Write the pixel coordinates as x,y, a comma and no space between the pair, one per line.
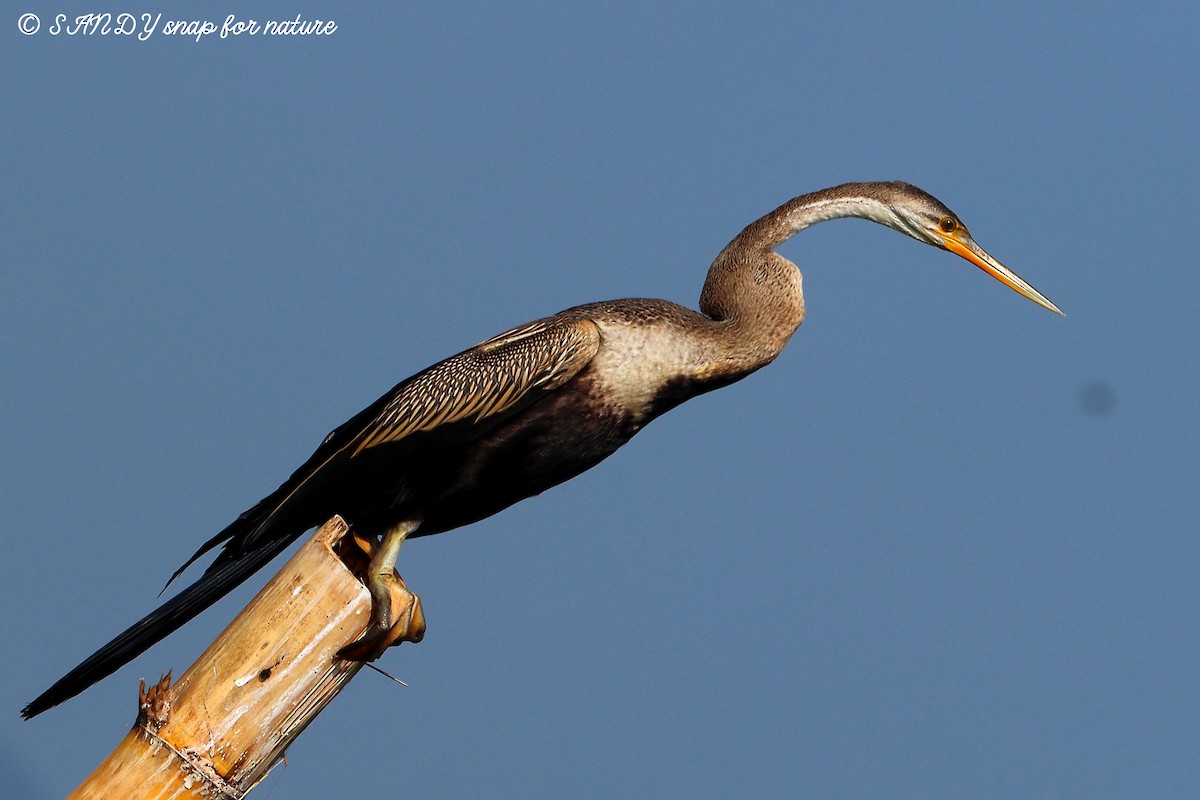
965,246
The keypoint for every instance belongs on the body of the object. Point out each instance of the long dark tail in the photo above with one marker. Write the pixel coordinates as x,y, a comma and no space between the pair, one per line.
222,577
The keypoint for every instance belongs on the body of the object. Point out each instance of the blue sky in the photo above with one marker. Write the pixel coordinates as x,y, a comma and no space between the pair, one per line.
909,559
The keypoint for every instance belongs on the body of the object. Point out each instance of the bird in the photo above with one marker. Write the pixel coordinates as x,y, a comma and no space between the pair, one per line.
529,409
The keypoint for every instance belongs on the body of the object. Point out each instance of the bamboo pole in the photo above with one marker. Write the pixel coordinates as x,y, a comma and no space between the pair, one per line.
218,731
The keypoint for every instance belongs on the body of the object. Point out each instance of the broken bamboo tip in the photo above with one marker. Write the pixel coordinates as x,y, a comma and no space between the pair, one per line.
227,721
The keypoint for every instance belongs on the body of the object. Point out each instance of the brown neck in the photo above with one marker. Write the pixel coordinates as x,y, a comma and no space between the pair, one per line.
755,294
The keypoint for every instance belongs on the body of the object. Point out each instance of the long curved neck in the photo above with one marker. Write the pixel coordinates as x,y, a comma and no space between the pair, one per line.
755,295
863,200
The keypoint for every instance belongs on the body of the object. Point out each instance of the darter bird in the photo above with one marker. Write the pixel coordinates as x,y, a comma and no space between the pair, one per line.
531,408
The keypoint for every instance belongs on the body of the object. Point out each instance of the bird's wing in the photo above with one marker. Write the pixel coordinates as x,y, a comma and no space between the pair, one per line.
491,379
461,396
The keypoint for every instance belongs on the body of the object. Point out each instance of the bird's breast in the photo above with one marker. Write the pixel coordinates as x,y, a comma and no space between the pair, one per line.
639,366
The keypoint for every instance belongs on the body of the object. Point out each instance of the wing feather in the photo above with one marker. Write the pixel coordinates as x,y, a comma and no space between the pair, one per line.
497,376
488,380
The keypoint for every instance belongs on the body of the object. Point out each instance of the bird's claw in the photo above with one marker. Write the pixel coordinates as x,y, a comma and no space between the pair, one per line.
395,617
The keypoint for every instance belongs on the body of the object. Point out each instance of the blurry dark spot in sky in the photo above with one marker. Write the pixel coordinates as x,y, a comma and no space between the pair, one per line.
1097,398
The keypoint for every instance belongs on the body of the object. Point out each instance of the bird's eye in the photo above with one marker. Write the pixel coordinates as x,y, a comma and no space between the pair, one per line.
948,224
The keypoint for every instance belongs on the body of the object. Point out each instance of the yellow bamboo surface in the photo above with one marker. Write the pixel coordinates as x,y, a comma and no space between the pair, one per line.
219,730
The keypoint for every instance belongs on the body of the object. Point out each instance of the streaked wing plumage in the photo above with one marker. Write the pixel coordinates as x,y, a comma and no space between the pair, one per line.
490,379
480,385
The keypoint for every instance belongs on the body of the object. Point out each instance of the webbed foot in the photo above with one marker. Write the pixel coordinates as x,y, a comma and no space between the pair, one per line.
396,616
396,613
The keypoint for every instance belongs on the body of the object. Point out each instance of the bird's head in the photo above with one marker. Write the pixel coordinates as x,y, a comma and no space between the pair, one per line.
916,213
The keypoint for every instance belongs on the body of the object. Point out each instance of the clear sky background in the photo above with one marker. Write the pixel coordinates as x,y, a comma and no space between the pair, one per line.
946,546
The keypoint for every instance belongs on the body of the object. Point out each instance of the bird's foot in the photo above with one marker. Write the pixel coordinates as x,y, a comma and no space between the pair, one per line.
396,616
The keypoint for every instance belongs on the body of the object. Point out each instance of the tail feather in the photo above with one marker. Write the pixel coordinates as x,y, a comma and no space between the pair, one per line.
250,521
211,587
258,535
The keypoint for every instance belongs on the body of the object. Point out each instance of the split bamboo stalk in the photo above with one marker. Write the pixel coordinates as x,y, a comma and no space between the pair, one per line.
218,731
